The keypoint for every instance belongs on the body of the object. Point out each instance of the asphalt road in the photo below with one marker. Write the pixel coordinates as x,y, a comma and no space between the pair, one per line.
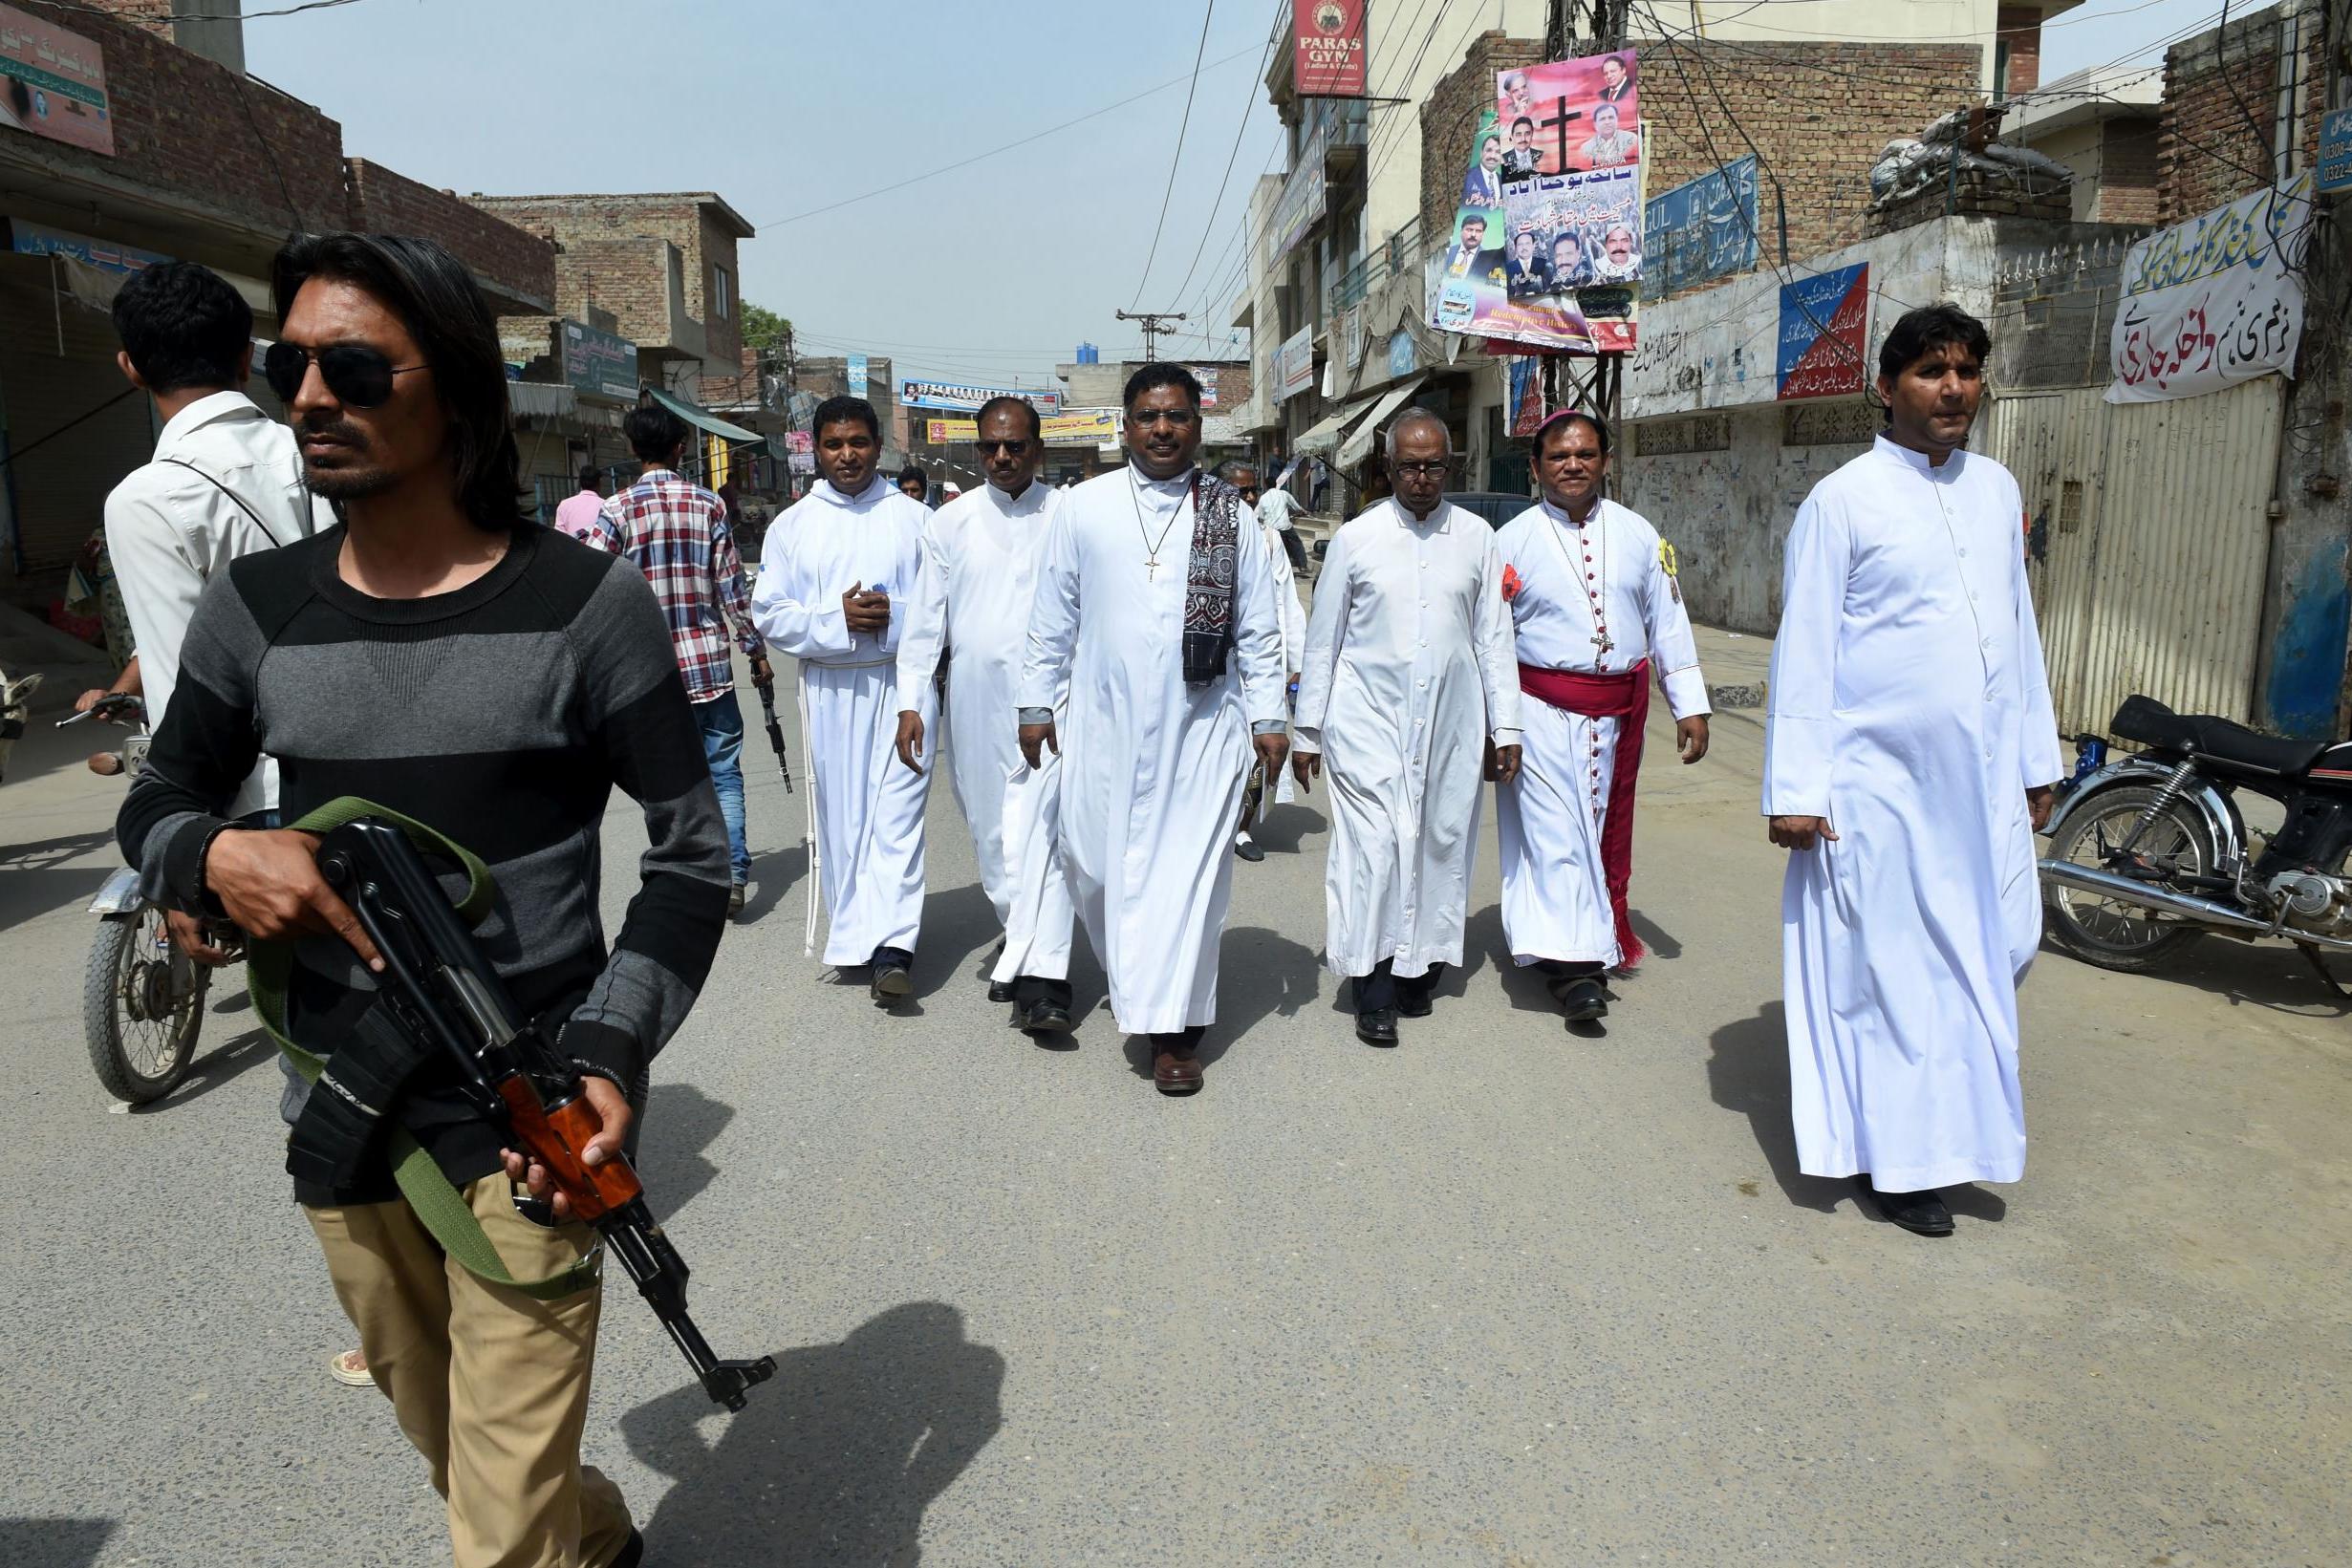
1507,1294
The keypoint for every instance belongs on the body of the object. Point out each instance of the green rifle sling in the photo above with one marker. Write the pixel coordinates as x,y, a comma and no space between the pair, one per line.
439,1205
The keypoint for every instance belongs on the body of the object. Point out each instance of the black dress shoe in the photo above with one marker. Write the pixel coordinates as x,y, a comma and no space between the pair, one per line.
632,1552
1412,996
1583,1000
1248,849
1043,1017
1921,1212
1000,989
894,974
1377,1026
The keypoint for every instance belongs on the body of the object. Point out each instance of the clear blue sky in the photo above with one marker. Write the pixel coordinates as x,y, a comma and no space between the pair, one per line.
997,270
785,107
2104,30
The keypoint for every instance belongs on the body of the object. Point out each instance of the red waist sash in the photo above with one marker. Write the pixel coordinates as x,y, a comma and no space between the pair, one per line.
1594,694
1625,696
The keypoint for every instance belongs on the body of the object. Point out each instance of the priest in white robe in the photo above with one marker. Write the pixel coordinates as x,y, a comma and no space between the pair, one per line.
1292,614
1908,763
833,563
1154,611
971,603
1410,675
1597,611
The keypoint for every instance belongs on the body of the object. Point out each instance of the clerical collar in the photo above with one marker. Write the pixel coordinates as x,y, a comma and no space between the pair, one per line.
1435,519
1918,461
835,494
1165,486
1563,515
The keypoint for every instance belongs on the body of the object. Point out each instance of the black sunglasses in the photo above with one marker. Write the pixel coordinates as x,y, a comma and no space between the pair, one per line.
358,376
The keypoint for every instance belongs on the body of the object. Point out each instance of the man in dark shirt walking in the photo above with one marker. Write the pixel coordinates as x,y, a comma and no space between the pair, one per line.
677,533
446,658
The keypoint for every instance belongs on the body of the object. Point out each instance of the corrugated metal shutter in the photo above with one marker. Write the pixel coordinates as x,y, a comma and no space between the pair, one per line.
60,490
2152,526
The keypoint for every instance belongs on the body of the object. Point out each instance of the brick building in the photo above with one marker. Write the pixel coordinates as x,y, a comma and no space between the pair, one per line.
664,263
1817,113
2219,134
207,164
2107,131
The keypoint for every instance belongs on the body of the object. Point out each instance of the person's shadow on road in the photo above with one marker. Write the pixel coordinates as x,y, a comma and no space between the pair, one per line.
834,1459
1749,1073
1274,975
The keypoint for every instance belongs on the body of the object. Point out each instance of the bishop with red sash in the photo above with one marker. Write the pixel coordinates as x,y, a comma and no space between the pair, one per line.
1598,616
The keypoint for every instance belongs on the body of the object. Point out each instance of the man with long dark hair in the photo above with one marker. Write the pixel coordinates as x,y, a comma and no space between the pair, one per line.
442,655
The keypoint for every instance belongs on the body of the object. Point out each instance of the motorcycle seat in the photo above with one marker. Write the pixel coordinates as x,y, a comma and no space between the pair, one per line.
2149,722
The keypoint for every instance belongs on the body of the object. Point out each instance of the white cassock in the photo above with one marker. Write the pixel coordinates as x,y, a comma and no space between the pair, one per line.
868,809
1577,586
1292,615
972,599
1910,707
1153,768
1408,672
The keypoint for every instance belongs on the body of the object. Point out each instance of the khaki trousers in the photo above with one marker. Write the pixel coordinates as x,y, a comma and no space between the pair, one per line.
490,1385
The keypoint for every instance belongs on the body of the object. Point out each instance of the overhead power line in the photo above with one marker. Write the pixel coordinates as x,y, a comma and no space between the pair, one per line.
894,188
1175,158
1249,103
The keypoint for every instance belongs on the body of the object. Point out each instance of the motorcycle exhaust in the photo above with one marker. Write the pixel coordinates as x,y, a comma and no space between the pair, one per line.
2124,889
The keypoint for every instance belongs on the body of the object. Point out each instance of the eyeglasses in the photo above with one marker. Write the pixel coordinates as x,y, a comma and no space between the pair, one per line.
1011,449
1177,417
1249,492
359,376
1425,470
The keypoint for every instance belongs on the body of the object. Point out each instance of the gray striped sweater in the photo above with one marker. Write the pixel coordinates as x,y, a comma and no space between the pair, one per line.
503,714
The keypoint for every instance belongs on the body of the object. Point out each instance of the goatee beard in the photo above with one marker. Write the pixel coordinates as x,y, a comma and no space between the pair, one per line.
351,484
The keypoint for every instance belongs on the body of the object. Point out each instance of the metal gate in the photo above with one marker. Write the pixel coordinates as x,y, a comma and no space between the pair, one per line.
2148,542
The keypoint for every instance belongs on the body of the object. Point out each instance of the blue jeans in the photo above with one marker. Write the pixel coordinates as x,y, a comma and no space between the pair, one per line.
722,742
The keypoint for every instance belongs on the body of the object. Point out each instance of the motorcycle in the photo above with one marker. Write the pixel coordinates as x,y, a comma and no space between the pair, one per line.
143,1000
2149,851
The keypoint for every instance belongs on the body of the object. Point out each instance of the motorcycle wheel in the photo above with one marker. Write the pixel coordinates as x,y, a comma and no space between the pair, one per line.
2099,929
143,1002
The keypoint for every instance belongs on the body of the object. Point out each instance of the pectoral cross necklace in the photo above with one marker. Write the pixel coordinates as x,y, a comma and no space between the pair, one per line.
1151,546
1598,601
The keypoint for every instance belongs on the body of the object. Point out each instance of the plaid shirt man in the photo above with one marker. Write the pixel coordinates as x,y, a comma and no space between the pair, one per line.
676,532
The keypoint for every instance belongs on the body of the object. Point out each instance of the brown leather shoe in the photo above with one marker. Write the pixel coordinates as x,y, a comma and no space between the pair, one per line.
1176,1071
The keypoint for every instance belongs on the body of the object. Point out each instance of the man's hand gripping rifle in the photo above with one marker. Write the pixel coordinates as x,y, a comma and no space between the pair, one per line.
438,985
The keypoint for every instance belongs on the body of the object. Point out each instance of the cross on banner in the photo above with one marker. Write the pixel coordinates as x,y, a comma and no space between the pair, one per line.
1563,116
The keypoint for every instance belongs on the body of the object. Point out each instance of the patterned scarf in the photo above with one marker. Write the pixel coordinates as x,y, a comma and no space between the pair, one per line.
1210,577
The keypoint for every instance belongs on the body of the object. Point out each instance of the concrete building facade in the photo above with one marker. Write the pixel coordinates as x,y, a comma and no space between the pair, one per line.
664,264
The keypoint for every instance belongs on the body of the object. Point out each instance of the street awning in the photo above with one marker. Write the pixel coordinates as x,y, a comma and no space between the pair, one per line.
540,398
1319,439
1359,442
702,418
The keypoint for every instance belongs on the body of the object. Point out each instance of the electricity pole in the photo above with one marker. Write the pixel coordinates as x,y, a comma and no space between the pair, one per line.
1155,323
1602,387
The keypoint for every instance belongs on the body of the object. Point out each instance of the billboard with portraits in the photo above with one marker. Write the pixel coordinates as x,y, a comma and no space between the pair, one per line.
1547,246
1568,115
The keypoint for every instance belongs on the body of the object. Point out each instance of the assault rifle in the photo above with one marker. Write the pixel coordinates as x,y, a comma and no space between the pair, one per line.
445,991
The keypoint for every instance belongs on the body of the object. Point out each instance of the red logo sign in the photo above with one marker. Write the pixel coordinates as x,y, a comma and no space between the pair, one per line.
1328,61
